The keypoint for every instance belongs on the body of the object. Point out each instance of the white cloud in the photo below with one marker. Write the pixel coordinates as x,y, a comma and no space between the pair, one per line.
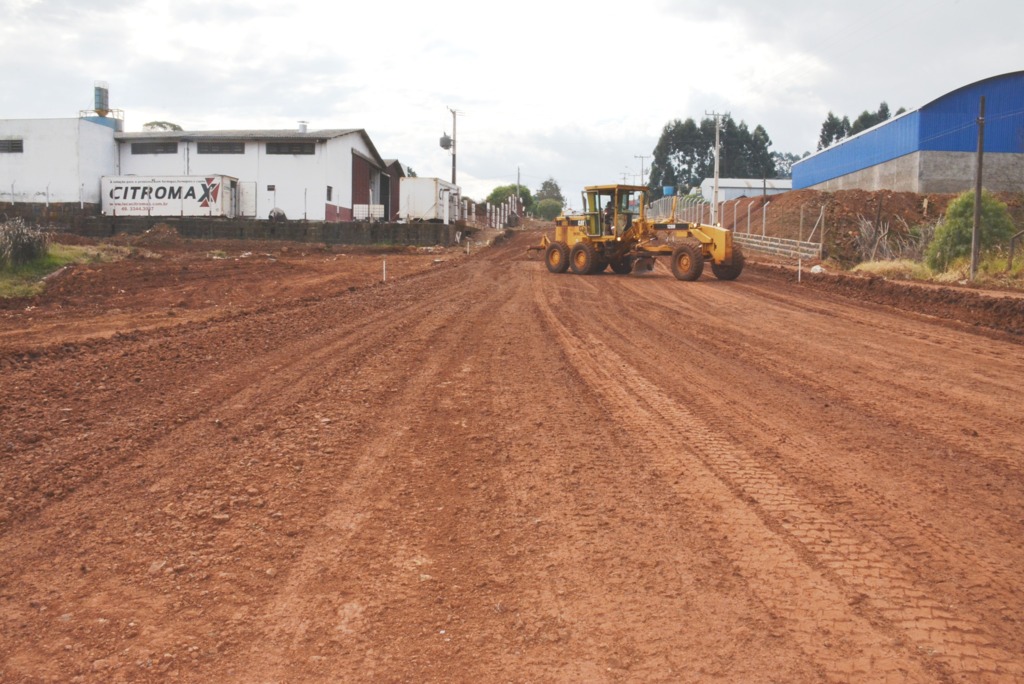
573,91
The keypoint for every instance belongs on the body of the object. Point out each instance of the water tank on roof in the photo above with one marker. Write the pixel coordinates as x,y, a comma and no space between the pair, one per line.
101,96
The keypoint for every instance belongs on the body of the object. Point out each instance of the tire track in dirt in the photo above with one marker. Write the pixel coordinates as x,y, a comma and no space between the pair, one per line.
295,377
836,550
207,355
997,453
996,449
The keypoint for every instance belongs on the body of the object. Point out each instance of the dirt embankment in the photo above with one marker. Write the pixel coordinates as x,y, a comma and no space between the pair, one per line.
843,212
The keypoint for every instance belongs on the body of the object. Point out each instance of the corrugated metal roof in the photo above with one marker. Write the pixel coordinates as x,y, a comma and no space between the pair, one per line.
256,136
750,183
227,135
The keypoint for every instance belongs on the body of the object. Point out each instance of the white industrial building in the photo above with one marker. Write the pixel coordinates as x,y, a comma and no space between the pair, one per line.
315,175
734,188
327,175
55,160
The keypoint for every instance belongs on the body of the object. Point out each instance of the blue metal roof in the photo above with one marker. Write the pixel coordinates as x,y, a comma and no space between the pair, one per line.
946,124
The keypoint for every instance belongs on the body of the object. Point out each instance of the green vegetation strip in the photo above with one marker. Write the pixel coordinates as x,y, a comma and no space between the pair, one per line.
26,280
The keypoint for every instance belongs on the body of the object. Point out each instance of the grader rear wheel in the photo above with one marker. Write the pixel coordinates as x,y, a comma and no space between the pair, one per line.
688,261
583,258
557,257
730,271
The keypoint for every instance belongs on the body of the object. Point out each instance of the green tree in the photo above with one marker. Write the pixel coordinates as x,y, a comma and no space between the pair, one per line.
503,192
550,189
548,208
161,126
685,153
679,155
868,119
409,172
954,235
833,130
784,163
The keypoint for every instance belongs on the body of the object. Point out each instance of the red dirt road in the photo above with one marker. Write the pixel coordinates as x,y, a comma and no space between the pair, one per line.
481,471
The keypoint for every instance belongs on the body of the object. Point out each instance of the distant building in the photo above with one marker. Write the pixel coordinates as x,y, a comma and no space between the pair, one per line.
734,188
312,175
55,161
933,148
323,175
396,172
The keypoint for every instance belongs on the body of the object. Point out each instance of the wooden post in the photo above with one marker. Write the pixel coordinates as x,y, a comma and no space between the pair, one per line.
976,235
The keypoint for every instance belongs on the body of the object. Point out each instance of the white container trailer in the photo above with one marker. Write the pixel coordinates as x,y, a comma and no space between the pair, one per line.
169,196
428,199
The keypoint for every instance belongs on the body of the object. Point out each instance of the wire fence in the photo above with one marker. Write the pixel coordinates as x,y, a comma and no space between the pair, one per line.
750,229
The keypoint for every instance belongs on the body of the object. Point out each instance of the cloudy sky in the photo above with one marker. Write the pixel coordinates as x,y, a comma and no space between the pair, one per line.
575,91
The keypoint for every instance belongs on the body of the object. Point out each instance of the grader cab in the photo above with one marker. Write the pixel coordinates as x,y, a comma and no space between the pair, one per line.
614,230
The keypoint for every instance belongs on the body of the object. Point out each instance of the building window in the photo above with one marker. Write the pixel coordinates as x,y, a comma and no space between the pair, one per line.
291,148
221,148
12,146
155,148
330,193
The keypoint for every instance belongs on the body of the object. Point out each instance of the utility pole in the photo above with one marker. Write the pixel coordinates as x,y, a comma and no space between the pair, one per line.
517,192
976,235
641,157
453,144
449,143
718,145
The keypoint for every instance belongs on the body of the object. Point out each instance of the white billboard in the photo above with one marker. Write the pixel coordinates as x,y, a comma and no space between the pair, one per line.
169,196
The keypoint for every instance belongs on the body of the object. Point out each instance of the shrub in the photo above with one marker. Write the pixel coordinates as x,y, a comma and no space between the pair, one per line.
953,236
548,209
20,244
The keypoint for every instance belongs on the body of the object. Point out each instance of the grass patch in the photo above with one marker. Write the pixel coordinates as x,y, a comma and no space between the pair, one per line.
991,271
26,280
897,269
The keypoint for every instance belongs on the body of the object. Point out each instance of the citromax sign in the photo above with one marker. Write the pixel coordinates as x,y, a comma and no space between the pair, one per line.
166,196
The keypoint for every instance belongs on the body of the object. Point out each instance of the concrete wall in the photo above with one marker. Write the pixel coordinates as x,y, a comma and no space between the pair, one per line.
898,175
935,172
67,215
423,234
953,172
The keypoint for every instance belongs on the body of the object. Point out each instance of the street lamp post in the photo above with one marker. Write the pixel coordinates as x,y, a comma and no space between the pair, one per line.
448,143
641,157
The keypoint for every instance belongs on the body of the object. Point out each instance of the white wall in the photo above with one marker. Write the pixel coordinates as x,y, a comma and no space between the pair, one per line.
63,160
71,155
97,157
299,180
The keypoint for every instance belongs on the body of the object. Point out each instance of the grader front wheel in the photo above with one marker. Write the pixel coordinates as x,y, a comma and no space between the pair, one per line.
557,257
688,261
583,258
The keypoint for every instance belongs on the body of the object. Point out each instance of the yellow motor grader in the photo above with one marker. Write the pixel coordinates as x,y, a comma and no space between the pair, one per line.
614,230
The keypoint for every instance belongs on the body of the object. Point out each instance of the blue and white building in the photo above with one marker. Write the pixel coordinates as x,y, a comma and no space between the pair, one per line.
932,149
